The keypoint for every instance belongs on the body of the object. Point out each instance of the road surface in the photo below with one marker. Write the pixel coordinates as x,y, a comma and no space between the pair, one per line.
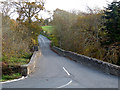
54,71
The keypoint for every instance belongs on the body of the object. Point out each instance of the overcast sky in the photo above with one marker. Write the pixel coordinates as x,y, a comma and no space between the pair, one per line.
69,5
74,4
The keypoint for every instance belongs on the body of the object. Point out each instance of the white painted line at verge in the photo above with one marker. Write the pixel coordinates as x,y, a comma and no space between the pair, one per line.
65,84
14,80
43,41
66,71
40,41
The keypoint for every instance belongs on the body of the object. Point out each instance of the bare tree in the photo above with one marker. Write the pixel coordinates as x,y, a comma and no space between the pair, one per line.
28,10
6,8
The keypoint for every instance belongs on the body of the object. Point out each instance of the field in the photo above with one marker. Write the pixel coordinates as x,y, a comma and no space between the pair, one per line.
48,29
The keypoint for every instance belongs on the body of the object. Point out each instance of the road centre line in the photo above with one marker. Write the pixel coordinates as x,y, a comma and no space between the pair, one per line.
65,84
66,71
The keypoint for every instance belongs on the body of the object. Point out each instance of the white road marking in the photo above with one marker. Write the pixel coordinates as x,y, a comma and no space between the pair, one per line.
66,71
65,84
40,42
22,78
43,41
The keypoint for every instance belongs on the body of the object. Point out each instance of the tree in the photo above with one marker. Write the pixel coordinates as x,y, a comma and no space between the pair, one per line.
6,8
46,21
112,24
62,20
28,10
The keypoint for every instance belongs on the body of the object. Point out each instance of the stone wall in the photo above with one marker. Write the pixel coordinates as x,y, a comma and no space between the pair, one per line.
30,67
92,62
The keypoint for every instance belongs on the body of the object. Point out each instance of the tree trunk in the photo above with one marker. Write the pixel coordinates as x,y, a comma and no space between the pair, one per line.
30,21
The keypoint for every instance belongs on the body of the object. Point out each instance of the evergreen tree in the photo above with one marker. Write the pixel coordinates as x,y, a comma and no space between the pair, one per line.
112,24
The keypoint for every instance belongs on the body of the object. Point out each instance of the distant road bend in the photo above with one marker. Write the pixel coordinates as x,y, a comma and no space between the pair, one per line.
54,71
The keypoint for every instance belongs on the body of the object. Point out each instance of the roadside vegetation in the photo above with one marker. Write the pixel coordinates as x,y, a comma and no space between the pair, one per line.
48,31
19,36
95,34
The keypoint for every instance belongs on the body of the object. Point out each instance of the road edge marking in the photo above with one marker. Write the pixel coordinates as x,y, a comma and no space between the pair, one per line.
22,78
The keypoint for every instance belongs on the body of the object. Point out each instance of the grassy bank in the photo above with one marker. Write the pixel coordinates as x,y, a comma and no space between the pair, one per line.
13,61
11,66
10,77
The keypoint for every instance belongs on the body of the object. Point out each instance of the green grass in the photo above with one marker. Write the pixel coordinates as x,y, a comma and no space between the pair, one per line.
10,77
50,35
16,61
48,29
13,61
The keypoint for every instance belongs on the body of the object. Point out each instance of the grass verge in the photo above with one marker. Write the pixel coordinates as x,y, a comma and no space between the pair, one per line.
11,66
10,77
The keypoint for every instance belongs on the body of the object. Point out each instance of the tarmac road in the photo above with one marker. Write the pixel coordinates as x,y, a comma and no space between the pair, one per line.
54,71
